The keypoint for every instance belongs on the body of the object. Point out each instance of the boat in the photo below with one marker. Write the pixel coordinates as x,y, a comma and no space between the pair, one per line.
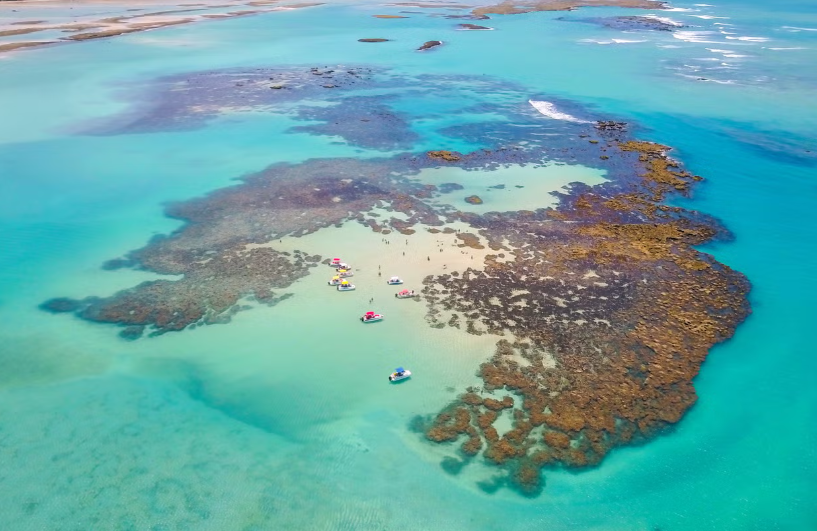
405,294
335,262
335,281
393,281
399,374
345,286
371,317
345,273
342,265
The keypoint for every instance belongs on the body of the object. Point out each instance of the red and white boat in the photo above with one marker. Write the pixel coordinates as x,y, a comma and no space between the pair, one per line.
405,294
371,317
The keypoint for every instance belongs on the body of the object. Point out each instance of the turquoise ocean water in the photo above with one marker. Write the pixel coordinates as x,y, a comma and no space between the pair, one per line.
236,427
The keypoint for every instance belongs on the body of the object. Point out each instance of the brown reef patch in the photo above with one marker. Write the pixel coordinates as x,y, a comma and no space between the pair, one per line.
513,7
612,320
474,200
447,156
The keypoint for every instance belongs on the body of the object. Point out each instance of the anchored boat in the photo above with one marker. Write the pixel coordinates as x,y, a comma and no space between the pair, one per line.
345,286
343,273
405,294
393,281
335,262
371,317
399,374
335,281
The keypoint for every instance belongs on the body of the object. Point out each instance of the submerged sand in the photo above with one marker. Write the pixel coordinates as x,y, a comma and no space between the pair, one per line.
56,21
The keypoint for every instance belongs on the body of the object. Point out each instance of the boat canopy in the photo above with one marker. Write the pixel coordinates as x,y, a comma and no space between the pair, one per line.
345,282
399,369
404,292
369,313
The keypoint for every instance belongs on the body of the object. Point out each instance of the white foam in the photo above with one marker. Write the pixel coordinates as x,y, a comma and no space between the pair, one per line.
796,29
548,109
708,17
704,5
665,20
749,39
680,9
694,36
790,48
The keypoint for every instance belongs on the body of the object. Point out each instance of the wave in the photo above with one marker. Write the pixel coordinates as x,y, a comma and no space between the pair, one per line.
694,36
707,17
612,41
789,48
548,109
748,39
665,20
795,29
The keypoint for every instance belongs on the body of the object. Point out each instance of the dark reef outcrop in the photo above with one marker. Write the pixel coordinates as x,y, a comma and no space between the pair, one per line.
429,44
630,23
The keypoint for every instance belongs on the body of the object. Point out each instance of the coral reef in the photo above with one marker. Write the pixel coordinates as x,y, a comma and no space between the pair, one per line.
608,307
613,316
513,7
630,23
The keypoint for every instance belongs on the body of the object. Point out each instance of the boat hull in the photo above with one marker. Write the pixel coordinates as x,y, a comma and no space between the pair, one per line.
405,376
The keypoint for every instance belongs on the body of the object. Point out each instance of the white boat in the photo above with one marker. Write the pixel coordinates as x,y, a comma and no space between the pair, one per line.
406,294
371,317
393,281
335,262
335,281
345,286
399,374
343,265
343,273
